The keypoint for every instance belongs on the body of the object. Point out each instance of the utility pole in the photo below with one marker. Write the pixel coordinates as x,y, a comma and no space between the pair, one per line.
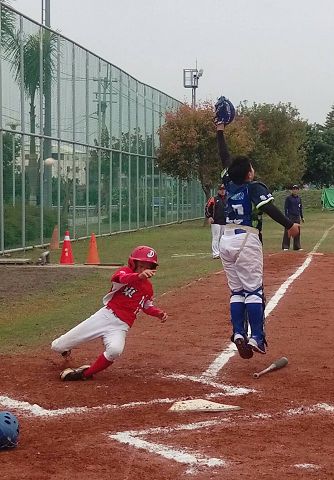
102,105
47,145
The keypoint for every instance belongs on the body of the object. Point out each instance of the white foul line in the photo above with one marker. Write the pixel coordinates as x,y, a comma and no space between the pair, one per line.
38,411
230,351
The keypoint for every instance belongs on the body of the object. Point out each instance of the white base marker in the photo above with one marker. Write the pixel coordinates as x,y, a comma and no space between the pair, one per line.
201,405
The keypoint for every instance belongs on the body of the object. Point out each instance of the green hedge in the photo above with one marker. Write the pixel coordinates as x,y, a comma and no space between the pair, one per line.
13,225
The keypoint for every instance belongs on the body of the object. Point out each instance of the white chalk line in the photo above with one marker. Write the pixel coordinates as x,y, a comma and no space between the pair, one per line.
36,410
229,390
195,460
202,254
307,466
215,367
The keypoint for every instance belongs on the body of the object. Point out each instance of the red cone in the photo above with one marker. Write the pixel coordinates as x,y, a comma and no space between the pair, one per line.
54,243
93,255
66,257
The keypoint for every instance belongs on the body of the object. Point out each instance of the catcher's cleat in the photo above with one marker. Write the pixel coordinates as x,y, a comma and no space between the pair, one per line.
244,349
259,347
66,354
72,374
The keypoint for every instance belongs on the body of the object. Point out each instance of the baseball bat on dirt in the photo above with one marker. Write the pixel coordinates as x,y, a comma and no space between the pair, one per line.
280,363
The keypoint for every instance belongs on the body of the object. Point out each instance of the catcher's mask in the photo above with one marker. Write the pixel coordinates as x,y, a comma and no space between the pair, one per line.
143,254
225,111
9,430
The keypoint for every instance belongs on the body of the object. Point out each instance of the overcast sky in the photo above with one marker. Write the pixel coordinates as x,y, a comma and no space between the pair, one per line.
255,50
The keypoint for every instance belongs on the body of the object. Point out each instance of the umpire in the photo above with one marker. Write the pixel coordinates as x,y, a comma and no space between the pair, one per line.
294,211
215,212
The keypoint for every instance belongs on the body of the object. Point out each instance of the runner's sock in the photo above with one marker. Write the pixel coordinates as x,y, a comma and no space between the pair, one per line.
101,363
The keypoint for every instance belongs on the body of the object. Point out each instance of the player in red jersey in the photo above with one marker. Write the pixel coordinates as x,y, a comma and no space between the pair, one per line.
131,292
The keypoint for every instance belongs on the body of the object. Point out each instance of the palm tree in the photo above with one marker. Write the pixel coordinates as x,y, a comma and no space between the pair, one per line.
7,23
31,80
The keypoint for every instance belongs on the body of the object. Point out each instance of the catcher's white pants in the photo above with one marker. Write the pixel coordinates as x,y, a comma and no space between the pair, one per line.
104,323
242,259
216,232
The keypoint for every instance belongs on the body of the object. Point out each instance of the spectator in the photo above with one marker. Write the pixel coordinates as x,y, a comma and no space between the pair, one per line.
215,213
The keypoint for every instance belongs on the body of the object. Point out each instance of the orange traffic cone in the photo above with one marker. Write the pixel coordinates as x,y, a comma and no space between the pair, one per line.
54,244
93,255
66,257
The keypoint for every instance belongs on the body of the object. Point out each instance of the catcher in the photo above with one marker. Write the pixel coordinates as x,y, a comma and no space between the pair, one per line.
131,292
240,246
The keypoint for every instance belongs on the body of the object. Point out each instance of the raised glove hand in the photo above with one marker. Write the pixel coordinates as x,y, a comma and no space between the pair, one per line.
224,110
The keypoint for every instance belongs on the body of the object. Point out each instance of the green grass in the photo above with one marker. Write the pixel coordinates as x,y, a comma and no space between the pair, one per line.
51,313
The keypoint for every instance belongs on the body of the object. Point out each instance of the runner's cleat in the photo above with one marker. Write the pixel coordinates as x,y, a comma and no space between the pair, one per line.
73,374
66,354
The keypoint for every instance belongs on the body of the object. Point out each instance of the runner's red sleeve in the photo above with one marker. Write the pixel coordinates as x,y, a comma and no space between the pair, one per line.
125,276
153,311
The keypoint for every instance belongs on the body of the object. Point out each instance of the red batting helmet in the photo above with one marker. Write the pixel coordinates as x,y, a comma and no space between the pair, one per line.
143,254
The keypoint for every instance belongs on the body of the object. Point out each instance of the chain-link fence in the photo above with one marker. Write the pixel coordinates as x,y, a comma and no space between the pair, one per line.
78,138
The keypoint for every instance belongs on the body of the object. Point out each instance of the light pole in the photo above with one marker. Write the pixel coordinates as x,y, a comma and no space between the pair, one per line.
190,80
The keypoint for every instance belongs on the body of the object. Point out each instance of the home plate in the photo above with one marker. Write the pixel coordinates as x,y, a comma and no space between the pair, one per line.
199,405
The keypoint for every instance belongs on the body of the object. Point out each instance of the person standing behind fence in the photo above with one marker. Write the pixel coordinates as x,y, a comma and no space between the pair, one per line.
293,209
215,213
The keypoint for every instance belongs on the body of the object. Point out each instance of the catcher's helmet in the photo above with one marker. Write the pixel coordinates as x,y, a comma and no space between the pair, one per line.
143,254
9,430
225,111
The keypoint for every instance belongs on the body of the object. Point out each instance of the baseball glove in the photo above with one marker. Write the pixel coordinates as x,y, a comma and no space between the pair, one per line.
225,111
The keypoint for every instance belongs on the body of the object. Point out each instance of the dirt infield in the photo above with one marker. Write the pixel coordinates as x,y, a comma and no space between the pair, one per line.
117,426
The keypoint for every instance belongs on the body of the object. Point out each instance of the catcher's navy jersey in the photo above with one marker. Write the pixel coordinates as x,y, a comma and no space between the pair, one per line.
241,198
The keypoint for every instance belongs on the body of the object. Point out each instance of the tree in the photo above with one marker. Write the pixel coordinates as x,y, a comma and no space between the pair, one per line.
329,123
7,24
188,145
31,80
279,136
319,148
11,148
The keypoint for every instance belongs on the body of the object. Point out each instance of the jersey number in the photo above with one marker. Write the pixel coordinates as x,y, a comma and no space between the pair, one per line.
238,209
